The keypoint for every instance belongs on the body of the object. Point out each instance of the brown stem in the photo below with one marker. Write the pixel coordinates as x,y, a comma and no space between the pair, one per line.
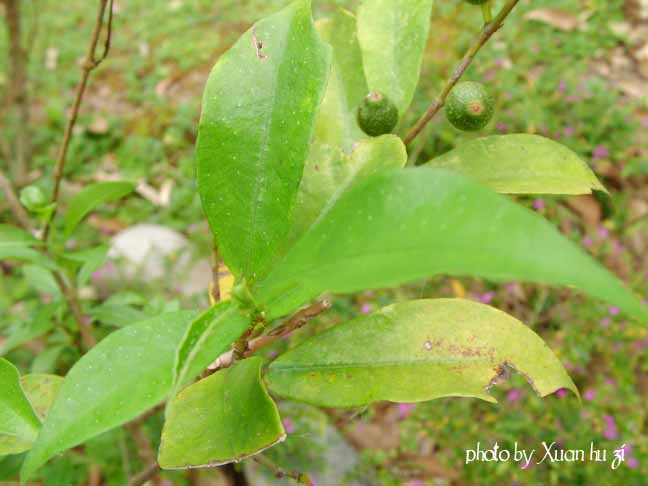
297,321
280,473
18,97
487,32
140,478
214,291
14,204
69,293
144,449
94,475
71,298
90,62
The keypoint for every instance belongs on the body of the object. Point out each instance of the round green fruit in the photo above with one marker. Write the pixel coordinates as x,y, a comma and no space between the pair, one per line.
377,115
470,106
33,198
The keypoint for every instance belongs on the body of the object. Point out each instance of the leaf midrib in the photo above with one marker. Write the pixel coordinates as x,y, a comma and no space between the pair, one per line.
384,364
261,164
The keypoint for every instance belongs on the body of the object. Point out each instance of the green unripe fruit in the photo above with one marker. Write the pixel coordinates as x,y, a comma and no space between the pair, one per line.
33,198
470,106
477,2
377,115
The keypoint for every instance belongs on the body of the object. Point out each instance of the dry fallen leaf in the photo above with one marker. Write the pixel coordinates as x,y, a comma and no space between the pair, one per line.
99,125
159,198
555,17
588,208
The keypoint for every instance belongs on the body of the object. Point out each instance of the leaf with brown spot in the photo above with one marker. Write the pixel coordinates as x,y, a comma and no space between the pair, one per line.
416,351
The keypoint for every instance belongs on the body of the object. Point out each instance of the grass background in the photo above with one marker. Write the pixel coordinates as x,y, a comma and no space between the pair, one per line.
583,86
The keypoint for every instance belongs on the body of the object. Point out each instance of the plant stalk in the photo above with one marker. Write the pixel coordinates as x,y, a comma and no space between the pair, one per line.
90,62
478,43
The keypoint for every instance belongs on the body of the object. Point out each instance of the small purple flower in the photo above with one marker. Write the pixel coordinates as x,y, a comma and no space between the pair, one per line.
632,463
605,322
486,298
644,122
641,344
587,242
613,310
618,247
514,395
405,409
416,482
562,86
366,308
603,232
611,431
562,393
589,395
526,465
569,131
538,204
600,152
511,288
288,425
501,127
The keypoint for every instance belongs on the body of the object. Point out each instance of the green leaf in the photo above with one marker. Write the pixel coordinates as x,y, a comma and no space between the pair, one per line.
127,373
234,406
416,351
404,225
91,259
12,236
42,321
392,35
41,279
11,252
41,389
258,113
207,337
46,360
90,197
336,157
19,424
521,164
323,184
336,125
117,315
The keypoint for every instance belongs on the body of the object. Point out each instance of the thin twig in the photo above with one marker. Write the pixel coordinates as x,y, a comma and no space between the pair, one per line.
14,204
90,62
140,478
83,323
297,321
214,287
280,473
18,98
487,32
144,449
